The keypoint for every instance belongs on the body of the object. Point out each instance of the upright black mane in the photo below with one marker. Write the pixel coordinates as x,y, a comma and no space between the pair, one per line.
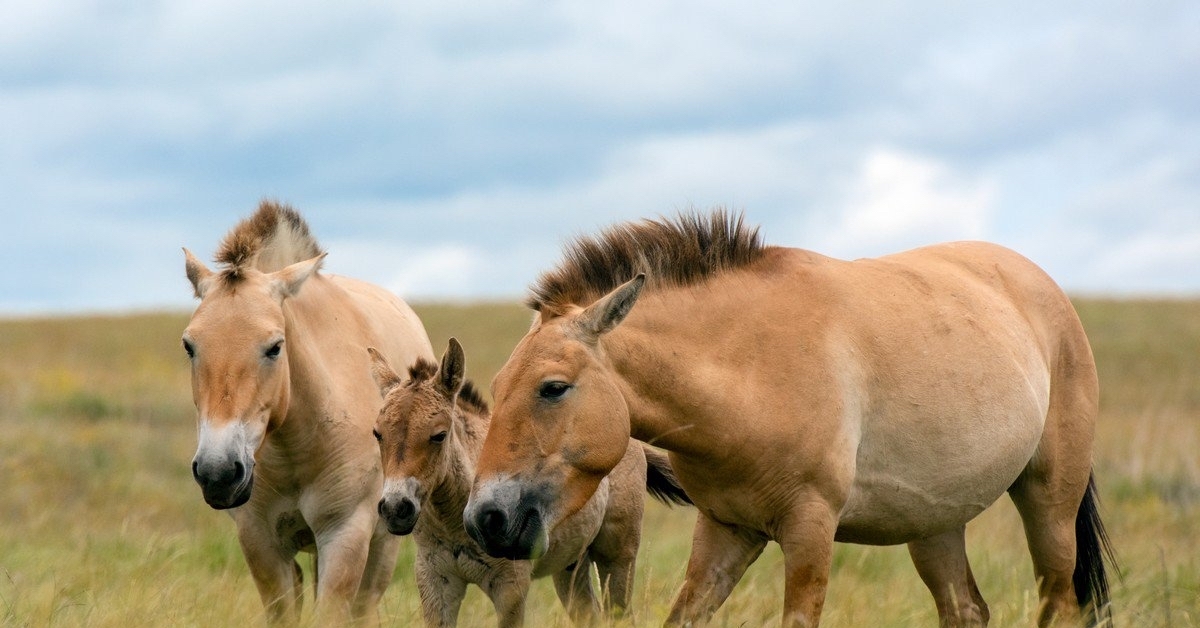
679,252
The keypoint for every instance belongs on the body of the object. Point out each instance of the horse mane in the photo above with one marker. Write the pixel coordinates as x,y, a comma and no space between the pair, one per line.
680,252
469,398
271,239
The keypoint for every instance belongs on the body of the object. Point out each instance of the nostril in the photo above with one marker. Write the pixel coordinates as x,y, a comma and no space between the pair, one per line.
493,522
381,514
239,471
196,470
406,509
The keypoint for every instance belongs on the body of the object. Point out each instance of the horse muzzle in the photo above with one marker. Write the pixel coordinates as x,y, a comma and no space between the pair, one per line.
399,514
225,483
508,521
224,463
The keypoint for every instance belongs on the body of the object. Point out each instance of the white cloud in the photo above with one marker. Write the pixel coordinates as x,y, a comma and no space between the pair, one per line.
902,200
473,138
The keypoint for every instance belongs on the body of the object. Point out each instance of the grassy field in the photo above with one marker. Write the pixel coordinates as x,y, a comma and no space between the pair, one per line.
101,524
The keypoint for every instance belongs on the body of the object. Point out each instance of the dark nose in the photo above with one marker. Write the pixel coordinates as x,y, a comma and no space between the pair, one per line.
225,483
493,523
400,515
503,536
218,476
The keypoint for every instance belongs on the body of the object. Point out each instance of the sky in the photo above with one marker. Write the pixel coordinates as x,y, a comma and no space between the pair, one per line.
447,150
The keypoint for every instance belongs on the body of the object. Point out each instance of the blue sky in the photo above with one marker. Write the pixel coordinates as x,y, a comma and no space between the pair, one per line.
447,149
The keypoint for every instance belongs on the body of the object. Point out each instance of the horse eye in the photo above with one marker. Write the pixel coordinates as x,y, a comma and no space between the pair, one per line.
553,390
437,438
377,435
273,352
191,351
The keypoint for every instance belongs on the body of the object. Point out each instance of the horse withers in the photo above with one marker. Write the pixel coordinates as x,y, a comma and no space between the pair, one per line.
805,400
286,403
430,430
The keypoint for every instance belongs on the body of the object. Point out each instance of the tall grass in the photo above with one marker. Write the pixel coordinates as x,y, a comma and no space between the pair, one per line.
101,524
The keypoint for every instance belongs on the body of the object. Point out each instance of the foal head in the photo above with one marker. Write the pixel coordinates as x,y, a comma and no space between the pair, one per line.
423,430
240,372
560,425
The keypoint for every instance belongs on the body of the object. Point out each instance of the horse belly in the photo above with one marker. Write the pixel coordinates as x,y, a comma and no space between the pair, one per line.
909,486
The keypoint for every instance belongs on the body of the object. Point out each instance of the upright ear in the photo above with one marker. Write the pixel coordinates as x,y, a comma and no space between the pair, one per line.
451,374
600,317
287,281
385,377
197,273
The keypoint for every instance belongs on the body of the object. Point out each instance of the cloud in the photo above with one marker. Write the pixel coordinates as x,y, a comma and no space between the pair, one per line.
901,200
479,136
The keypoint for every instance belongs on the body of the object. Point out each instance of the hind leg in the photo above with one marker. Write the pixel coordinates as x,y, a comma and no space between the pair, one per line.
942,563
1048,511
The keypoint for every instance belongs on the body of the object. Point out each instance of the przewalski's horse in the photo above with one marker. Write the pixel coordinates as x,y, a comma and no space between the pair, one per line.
805,400
430,430
282,383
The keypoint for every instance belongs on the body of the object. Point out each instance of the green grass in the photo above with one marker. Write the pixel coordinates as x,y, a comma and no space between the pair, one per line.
101,524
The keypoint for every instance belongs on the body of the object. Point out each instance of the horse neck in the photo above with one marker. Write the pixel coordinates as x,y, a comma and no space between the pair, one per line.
667,396
309,318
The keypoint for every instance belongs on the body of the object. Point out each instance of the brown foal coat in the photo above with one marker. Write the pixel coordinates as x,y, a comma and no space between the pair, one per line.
430,431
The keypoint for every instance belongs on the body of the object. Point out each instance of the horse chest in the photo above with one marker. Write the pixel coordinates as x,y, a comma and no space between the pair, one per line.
293,531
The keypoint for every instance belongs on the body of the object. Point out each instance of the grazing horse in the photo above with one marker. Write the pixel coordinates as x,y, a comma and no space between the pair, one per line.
282,384
430,430
805,400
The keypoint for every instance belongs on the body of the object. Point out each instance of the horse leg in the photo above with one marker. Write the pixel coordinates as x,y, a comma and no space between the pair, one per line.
381,562
1050,490
942,563
574,588
441,595
806,539
342,559
1048,510
275,572
720,555
615,548
506,586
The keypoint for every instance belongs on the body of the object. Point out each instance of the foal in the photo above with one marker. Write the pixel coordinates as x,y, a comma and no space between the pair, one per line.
430,431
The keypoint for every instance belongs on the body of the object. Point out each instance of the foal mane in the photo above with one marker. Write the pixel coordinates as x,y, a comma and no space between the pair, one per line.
271,239
469,398
680,252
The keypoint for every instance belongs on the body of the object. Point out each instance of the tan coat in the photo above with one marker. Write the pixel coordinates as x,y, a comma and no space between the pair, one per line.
805,399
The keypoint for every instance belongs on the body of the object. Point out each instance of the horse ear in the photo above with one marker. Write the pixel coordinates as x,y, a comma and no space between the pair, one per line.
197,273
385,377
286,282
602,316
451,374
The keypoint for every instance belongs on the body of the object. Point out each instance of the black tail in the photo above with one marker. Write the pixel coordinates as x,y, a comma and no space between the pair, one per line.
661,482
1092,550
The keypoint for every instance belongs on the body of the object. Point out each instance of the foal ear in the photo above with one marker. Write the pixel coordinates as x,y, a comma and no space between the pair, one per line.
600,317
197,273
286,282
385,377
451,374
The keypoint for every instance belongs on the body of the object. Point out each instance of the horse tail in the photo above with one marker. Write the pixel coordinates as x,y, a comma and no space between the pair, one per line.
661,482
1092,550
